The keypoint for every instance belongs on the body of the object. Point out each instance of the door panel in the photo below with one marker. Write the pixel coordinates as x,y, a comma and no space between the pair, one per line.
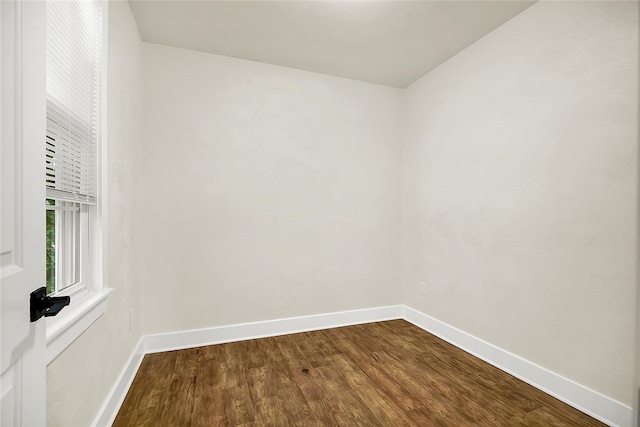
22,129
10,395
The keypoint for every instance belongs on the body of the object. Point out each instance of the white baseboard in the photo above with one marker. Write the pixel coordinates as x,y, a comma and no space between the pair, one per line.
586,400
590,402
107,414
270,328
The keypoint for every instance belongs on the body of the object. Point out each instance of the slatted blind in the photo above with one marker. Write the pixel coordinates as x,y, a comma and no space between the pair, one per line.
74,47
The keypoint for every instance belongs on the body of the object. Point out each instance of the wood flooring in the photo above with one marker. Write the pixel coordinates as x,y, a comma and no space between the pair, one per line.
379,374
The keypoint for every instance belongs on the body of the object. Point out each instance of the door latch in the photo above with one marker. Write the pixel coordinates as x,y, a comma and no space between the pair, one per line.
44,305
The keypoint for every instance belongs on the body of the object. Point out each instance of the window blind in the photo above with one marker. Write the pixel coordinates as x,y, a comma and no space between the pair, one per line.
74,46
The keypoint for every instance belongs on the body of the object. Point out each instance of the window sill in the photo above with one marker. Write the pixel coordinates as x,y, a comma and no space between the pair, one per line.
73,320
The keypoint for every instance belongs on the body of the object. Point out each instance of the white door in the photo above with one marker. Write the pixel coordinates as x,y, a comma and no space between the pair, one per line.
22,221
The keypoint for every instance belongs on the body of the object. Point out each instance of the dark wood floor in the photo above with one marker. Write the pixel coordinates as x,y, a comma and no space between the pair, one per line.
378,374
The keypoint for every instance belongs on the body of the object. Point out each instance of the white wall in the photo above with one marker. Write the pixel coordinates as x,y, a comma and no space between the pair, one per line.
520,190
268,192
80,378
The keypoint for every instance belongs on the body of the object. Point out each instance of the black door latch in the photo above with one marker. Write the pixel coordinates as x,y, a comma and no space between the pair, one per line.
43,305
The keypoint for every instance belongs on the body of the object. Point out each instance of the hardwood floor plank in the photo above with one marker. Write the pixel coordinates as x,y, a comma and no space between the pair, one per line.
387,384
316,347
238,408
263,388
303,374
177,411
275,363
379,374
345,401
208,402
376,400
324,413
417,383
233,372
296,409
436,417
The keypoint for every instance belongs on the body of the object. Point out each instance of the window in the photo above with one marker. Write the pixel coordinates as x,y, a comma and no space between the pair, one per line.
74,151
74,65
67,238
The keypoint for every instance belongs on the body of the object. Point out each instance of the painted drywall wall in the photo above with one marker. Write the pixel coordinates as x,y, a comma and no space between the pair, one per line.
80,378
520,190
268,192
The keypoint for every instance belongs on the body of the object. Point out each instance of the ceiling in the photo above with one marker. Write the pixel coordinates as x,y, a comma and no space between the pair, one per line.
391,43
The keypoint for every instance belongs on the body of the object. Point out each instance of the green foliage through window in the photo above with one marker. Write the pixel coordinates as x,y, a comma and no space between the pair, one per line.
51,247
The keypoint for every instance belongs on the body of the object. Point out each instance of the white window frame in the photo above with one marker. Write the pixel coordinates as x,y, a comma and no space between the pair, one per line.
89,300
71,234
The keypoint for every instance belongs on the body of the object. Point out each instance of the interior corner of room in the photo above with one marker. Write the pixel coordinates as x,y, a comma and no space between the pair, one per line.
491,198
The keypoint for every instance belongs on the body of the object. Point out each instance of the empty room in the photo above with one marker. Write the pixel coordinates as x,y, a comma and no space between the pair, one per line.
319,213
